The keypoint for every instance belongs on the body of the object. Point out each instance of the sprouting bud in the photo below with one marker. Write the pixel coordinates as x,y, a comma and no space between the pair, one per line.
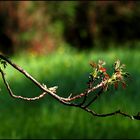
117,65
100,73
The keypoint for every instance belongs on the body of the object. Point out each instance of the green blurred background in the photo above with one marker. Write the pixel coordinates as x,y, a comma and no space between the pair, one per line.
54,42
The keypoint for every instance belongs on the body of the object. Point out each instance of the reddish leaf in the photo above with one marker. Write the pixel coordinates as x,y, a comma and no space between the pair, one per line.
102,69
123,85
106,76
116,85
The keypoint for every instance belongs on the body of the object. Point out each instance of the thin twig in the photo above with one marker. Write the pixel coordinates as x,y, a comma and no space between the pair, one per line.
95,98
109,114
20,97
85,93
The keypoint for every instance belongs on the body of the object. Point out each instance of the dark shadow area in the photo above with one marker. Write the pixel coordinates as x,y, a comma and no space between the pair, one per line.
119,26
6,44
8,27
78,33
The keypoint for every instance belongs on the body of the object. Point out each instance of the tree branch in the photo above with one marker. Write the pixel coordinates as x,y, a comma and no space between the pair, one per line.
102,85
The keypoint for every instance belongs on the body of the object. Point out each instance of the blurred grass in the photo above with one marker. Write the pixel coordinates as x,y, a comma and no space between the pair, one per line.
68,69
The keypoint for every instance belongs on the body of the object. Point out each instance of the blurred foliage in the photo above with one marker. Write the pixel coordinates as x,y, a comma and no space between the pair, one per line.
41,26
46,26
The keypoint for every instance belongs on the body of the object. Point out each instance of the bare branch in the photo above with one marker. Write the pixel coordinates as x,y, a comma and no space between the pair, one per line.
85,93
20,97
22,71
109,114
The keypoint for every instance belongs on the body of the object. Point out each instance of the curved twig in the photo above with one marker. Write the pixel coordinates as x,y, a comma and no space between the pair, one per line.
20,97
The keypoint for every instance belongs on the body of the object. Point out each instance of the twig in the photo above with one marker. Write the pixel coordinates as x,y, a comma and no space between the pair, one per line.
95,98
20,97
